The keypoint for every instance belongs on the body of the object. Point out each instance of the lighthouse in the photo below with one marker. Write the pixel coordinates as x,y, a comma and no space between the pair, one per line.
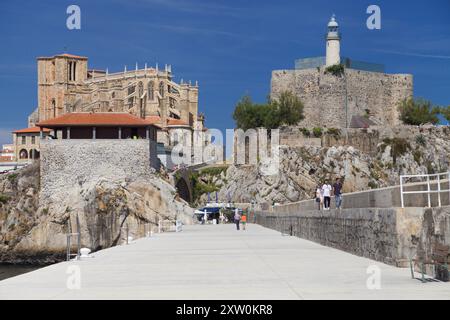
333,43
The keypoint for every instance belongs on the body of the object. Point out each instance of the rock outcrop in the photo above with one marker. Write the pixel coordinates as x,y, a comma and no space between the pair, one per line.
408,150
30,233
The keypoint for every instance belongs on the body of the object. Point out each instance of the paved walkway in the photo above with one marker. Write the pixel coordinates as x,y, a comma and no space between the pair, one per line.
218,262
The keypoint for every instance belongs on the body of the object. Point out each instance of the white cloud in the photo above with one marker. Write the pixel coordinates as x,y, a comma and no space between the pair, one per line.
414,54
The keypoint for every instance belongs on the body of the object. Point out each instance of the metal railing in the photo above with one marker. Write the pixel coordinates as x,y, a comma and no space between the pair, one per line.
429,180
169,226
69,241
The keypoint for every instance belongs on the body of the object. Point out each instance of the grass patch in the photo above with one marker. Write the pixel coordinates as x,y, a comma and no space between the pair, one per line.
336,70
12,176
317,132
334,132
3,198
305,132
213,171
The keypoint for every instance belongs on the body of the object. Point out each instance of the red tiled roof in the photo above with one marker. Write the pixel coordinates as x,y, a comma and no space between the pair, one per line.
154,120
176,122
85,119
31,130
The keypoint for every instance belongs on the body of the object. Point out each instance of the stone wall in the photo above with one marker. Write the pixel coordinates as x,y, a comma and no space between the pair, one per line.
389,235
381,234
325,95
65,164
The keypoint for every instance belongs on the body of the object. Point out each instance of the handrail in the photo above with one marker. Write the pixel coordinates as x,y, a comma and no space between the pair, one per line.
428,182
69,242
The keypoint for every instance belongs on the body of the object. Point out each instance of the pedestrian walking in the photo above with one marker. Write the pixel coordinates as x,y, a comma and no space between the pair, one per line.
205,217
244,221
337,191
237,218
326,188
319,197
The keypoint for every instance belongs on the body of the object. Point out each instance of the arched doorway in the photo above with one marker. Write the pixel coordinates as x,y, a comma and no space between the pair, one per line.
23,154
183,190
34,154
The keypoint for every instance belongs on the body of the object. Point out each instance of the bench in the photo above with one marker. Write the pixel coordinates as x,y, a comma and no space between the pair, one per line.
439,259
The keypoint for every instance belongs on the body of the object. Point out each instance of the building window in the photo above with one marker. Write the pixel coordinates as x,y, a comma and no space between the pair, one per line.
69,71
72,67
130,102
161,89
24,140
54,108
33,140
131,90
150,90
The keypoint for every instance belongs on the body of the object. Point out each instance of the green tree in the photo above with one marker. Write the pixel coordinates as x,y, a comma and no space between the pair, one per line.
445,111
288,109
418,111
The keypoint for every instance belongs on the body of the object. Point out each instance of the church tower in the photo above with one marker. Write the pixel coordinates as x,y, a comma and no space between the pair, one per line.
57,76
333,43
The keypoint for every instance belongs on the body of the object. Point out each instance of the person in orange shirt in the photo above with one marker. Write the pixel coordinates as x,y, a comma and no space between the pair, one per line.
244,221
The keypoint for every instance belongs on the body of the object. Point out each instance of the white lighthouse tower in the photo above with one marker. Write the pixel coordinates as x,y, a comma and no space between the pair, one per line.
333,43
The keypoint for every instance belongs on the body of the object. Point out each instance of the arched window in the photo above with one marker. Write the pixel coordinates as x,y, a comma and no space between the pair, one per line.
150,90
23,154
54,108
161,89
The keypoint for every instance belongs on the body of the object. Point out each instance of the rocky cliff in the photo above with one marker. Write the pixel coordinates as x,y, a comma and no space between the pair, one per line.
31,233
361,164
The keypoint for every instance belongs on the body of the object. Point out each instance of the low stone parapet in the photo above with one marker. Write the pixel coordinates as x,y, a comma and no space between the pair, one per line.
389,235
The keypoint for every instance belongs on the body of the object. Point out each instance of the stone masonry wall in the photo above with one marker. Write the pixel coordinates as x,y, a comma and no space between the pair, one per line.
65,164
324,95
381,234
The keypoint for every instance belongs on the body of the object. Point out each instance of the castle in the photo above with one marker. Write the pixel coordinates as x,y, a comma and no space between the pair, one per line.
358,95
67,87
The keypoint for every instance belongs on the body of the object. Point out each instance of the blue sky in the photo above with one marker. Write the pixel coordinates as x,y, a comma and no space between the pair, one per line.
229,46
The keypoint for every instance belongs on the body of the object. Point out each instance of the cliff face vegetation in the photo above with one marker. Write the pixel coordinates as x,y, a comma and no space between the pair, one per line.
30,233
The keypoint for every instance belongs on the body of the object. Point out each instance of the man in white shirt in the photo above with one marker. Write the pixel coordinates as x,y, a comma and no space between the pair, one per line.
326,188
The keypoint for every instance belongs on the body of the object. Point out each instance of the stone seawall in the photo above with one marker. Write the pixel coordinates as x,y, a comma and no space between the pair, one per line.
388,235
66,164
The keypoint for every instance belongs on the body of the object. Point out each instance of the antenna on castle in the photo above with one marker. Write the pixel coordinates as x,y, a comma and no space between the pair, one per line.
125,69
145,66
157,67
136,66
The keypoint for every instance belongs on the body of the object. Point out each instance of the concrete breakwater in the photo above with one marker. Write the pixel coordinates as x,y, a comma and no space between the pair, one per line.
389,235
